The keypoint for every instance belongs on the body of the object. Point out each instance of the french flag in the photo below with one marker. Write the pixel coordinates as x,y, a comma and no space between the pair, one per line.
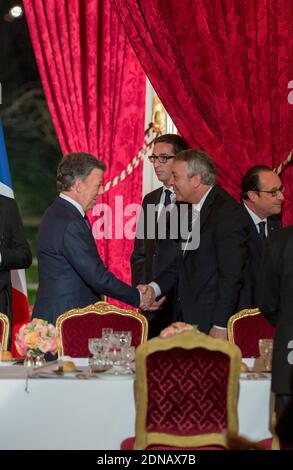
20,307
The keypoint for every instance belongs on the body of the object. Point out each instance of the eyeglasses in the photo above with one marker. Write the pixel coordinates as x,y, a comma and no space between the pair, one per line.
162,158
273,192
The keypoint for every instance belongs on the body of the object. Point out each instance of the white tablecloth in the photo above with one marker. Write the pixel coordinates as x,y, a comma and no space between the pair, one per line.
66,413
254,408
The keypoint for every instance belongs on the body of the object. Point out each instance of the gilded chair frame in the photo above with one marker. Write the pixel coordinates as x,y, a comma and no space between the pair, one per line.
186,340
247,312
99,308
4,320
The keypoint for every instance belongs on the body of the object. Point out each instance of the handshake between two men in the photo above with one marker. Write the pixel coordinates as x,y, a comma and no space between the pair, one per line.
148,302
148,298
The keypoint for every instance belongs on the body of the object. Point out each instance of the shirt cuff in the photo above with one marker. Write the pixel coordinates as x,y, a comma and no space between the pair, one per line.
220,327
156,288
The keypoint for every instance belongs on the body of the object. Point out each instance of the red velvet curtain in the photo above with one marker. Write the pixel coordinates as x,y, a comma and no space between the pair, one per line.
221,69
95,88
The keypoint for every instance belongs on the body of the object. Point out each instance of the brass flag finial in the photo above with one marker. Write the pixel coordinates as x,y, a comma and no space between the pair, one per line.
159,117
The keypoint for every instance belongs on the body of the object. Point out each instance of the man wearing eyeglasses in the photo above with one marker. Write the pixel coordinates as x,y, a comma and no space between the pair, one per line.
262,198
151,256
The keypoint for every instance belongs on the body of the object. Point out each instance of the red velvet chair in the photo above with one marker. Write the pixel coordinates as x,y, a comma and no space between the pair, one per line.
245,328
76,326
4,331
186,392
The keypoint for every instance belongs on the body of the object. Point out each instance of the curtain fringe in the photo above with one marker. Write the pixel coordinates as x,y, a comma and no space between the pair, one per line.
136,160
284,164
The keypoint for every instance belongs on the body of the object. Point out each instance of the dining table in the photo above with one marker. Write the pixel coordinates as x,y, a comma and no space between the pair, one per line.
83,410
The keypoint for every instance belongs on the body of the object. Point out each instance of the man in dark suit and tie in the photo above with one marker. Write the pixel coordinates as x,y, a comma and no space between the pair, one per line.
71,272
151,255
211,275
262,198
15,252
275,299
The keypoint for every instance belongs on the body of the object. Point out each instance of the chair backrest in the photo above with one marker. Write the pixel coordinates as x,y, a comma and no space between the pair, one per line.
186,391
246,327
4,331
76,326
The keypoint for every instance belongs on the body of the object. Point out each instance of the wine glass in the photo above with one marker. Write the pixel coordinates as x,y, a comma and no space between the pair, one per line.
95,346
128,356
125,337
114,356
106,332
114,350
265,346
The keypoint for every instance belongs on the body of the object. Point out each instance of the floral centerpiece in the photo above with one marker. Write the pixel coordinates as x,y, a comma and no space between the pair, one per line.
176,328
37,337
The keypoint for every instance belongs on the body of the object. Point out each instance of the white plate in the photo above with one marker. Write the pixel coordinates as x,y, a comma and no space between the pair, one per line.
78,361
249,361
69,374
116,375
255,375
6,363
52,374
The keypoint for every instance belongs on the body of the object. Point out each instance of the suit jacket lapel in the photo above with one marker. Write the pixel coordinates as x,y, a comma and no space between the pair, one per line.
158,196
205,212
155,199
74,211
273,224
2,217
207,206
254,235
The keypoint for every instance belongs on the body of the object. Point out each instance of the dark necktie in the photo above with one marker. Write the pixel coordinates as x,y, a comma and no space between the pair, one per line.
87,222
167,197
159,229
167,203
262,230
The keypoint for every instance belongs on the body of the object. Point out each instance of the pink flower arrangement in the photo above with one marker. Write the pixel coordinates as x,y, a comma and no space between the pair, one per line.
38,336
175,328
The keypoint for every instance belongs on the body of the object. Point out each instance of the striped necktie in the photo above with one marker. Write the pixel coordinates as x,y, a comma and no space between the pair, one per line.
262,230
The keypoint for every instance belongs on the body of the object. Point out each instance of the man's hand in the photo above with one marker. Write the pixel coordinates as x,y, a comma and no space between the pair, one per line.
148,296
218,333
158,305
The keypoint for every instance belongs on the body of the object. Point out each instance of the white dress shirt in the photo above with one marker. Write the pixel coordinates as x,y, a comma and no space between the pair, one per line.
73,202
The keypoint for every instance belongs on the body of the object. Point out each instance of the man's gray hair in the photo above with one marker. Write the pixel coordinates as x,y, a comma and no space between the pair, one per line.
199,163
76,166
